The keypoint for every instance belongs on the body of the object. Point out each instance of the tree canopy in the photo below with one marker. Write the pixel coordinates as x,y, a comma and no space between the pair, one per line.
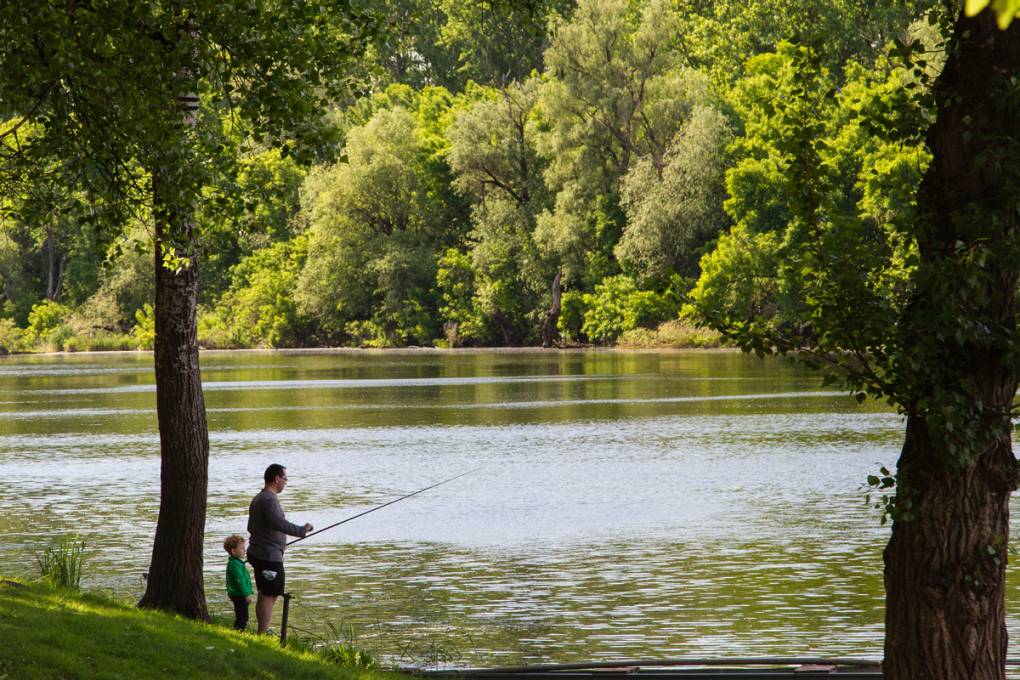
515,143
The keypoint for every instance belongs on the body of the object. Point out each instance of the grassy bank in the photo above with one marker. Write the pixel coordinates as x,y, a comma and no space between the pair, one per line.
675,334
50,332
54,633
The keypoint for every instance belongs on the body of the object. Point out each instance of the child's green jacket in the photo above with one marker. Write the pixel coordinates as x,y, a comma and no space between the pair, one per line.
238,579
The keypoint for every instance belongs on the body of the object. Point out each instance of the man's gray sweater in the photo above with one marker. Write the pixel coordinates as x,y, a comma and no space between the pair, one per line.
269,528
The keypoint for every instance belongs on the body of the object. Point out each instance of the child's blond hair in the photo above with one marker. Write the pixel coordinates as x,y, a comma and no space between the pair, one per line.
231,542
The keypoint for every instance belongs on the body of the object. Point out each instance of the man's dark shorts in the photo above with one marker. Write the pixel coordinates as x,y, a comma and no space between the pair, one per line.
268,576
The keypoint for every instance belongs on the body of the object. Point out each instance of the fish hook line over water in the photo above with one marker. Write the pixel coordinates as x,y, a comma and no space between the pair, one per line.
380,507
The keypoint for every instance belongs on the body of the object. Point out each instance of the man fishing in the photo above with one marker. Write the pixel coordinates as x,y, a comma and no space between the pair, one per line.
269,529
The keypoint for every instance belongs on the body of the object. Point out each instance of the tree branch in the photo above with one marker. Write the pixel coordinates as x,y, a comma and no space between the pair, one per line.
28,116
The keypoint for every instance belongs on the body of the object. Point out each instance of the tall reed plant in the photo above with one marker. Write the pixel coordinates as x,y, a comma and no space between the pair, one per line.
62,564
342,648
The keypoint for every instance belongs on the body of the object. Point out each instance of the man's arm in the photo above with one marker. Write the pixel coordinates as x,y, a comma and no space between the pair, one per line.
276,520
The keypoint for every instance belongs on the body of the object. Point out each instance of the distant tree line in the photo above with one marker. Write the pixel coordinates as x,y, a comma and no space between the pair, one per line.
508,173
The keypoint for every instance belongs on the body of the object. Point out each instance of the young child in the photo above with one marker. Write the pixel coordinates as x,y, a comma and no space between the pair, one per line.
238,580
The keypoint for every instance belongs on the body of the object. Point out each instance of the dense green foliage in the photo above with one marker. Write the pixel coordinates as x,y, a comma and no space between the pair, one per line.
649,152
813,188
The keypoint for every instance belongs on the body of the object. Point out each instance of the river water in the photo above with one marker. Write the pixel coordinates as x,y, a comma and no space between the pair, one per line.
624,504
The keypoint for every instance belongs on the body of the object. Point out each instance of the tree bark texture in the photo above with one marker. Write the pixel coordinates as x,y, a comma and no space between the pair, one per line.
176,579
945,564
945,569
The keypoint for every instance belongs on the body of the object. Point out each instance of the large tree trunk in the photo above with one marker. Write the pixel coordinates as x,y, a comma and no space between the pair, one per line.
945,563
176,580
945,569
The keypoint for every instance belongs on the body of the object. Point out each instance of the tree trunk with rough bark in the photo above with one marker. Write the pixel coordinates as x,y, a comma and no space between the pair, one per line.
552,317
176,579
945,570
945,563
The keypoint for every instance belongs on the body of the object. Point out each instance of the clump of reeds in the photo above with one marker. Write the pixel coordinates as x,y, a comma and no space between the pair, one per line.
342,648
62,564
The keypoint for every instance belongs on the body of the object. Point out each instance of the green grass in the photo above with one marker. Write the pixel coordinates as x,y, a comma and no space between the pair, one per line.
60,633
102,341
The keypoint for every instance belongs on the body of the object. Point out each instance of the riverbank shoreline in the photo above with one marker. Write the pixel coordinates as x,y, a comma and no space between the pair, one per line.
60,633
413,350
669,335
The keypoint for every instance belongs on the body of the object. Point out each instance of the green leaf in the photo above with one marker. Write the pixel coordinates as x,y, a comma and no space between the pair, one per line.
973,7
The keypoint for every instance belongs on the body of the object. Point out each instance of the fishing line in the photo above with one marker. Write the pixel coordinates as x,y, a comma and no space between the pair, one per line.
380,507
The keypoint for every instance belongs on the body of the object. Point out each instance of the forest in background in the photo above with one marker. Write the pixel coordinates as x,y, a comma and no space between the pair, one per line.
644,157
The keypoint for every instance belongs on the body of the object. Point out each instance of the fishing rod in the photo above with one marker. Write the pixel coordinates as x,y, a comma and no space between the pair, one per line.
380,507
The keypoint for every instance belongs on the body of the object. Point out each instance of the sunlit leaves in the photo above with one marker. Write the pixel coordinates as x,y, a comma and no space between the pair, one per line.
722,35
675,207
1005,10
493,154
259,309
819,260
378,221
617,95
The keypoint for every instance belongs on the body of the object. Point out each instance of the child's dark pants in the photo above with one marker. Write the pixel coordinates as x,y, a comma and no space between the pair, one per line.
240,611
